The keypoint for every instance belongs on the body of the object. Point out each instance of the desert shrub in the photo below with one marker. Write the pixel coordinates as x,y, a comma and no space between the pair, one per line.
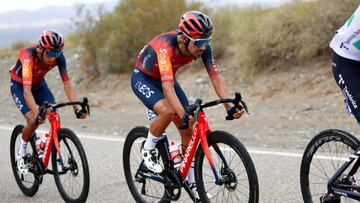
296,32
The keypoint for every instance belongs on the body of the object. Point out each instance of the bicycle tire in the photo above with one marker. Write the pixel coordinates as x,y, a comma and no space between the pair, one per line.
136,133
64,136
331,135
226,139
28,191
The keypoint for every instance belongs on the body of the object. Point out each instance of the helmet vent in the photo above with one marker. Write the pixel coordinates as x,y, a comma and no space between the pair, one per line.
43,41
195,24
188,27
49,41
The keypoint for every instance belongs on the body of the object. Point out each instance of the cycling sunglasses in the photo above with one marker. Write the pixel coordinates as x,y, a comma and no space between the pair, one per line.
199,42
53,53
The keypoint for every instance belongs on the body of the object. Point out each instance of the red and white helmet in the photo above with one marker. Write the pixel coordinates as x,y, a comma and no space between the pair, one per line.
195,23
51,40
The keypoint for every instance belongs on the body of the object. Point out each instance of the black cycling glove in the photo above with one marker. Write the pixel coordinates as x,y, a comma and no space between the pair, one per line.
79,112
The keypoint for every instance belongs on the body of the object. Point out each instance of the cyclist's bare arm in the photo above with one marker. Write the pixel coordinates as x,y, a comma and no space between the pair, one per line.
220,89
71,95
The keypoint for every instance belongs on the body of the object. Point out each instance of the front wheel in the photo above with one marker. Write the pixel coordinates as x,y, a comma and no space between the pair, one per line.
28,183
322,158
71,172
234,167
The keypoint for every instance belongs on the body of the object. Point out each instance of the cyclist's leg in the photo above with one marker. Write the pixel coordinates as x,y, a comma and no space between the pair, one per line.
42,94
149,91
185,134
17,93
347,75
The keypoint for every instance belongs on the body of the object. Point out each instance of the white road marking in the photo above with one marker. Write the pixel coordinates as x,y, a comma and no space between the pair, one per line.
116,139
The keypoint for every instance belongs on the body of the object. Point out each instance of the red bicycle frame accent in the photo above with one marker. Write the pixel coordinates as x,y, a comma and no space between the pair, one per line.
53,132
199,133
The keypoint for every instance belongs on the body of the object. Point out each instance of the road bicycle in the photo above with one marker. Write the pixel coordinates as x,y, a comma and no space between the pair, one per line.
329,166
228,175
69,163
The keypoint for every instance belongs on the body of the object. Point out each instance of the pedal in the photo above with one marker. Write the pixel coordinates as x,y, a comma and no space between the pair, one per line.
328,198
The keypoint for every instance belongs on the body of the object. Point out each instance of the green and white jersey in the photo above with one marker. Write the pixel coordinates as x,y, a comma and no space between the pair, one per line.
346,42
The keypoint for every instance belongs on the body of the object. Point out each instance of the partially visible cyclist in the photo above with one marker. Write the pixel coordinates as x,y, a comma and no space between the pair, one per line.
28,86
346,62
154,83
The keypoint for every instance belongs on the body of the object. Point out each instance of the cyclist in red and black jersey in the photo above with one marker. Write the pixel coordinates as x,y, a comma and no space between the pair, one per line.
28,86
154,82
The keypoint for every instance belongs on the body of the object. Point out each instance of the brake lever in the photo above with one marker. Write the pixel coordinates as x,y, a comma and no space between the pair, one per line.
239,100
245,106
88,109
42,110
85,105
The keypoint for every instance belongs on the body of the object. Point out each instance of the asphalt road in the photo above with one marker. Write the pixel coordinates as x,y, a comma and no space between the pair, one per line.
278,173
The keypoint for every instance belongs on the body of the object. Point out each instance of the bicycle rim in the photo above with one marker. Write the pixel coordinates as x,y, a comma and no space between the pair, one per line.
241,184
324,155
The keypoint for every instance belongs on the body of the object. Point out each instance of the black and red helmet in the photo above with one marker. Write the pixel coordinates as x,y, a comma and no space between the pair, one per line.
51,40
196,23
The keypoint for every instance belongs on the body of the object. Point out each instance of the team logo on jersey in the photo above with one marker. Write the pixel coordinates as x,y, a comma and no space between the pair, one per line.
26,68
163,55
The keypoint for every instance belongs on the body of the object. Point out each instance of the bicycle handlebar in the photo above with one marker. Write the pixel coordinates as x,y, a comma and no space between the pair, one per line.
84,106
237,101
193,109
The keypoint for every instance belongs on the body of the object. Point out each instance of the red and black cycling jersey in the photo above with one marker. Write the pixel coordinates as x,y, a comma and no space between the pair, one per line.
161,58
30,70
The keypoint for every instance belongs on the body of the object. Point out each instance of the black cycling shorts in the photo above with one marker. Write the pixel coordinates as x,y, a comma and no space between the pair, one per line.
347,75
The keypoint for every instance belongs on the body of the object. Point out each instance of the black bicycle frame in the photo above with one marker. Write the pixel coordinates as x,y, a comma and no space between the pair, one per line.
334,188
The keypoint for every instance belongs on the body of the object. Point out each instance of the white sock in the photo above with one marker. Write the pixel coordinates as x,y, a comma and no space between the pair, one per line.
22,149
151,141
191,174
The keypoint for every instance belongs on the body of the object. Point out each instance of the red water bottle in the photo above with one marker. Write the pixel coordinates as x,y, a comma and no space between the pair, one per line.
175,155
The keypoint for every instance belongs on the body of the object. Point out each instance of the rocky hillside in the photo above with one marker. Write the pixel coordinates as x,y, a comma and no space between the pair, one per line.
287,106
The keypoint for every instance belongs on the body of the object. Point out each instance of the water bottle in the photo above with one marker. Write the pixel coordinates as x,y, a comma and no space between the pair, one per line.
175,155
42,143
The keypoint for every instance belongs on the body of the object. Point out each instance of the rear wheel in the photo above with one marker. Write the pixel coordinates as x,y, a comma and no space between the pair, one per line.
28,183
323,156
237,173
72,176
